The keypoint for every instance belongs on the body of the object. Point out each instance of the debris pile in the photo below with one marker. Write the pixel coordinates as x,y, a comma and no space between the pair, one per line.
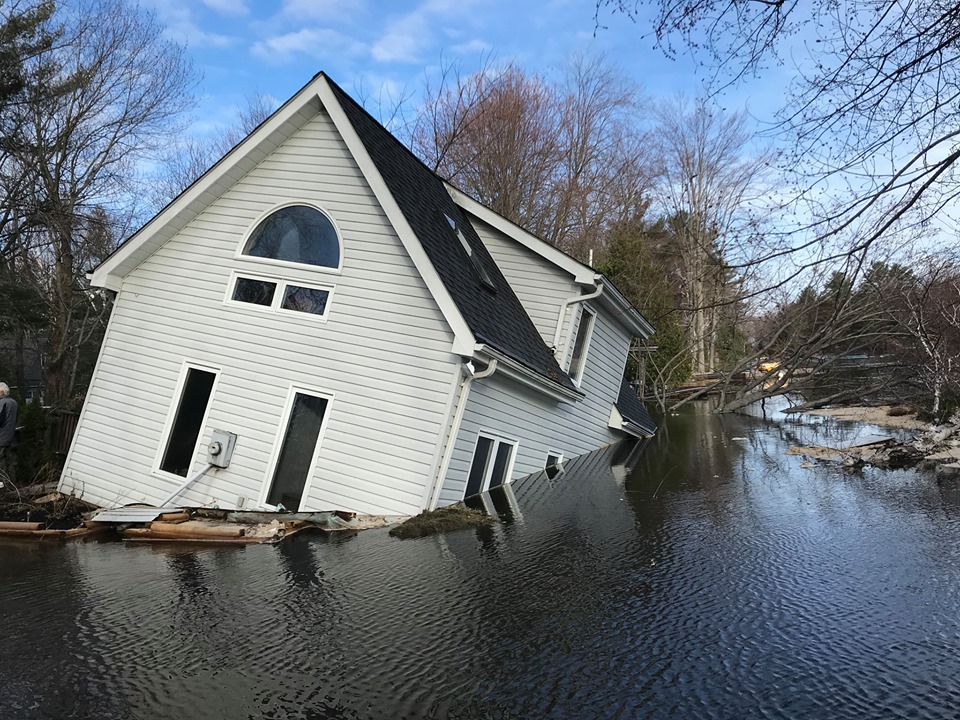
936,448
441,520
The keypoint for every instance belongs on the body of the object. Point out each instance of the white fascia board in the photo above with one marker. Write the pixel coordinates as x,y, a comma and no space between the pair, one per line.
582,274
464,340
623,309
109,274
525,376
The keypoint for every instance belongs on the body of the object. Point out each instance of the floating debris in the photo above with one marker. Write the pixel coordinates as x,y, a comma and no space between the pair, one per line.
445,519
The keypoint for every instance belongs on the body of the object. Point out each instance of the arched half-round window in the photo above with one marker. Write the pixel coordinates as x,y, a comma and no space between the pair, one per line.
296,234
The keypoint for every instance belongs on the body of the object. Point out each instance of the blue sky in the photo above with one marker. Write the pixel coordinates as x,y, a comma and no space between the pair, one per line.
243,47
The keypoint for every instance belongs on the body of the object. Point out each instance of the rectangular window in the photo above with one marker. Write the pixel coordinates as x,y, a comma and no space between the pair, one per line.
581,345
553,464
277,294
191,410
252,290
491,465
297,451
305,299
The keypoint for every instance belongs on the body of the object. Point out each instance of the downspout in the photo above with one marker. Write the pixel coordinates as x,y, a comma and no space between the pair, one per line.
563,312
469,377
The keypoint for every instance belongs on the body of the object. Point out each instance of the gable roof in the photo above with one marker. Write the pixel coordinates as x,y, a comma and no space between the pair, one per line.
415,201
495,316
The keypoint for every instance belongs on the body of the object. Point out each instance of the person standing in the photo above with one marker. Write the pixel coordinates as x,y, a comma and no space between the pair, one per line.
8,428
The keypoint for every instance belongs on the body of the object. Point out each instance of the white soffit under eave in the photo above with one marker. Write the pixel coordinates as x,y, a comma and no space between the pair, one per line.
464,340
242,158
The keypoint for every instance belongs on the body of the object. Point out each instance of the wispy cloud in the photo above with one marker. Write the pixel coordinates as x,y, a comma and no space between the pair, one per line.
228,7
313,42
406,37
324,10
182,26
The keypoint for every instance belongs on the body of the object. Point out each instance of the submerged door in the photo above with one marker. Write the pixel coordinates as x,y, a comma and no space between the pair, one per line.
297,451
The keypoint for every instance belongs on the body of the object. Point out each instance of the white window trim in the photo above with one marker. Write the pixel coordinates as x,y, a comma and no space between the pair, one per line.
274,306
171,413
558,455
488,471
559,464
584,310
238,254
292,392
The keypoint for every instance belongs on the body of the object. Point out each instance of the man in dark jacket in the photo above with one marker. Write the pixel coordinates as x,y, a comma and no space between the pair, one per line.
8,427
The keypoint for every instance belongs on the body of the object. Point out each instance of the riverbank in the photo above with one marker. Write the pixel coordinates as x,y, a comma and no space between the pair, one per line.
880,415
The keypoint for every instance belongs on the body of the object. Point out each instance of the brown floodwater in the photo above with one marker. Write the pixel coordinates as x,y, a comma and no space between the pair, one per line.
705,575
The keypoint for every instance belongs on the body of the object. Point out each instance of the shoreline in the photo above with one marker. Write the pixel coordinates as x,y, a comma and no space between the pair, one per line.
876,415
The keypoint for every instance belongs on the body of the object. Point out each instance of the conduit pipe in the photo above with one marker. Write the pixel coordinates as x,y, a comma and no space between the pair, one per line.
563,312
469,376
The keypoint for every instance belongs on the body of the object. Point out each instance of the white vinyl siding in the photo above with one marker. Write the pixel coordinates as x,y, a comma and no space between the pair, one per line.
384,351
502,406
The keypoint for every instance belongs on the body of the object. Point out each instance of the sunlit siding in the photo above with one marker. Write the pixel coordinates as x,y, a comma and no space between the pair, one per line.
503,407
540,285
384,353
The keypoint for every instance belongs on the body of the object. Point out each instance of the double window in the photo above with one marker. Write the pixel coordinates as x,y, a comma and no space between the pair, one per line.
492,463
281,295
290,236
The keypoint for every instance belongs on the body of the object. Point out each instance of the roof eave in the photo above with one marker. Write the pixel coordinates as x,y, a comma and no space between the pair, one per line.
525,376
623,308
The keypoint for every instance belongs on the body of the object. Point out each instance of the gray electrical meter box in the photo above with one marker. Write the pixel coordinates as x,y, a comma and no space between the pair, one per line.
220,449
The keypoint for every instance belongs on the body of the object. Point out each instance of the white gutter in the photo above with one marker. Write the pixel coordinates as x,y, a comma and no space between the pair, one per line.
525,376
563,312
469,377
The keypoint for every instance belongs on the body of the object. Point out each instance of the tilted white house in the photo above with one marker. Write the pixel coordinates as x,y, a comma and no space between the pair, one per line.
377,341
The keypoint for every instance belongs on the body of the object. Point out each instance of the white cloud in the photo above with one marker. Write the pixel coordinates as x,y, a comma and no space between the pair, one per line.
228,7
325,10
313,42
473,46
407,36
181,26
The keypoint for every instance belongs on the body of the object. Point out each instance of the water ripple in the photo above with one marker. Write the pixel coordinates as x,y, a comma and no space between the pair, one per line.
719,580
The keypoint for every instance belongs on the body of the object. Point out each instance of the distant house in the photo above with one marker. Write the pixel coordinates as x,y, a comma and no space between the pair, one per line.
376,340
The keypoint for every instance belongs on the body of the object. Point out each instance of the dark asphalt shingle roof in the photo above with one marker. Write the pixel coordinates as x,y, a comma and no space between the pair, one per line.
496,317
632,410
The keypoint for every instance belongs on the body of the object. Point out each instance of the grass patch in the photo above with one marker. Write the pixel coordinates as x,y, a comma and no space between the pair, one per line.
445,519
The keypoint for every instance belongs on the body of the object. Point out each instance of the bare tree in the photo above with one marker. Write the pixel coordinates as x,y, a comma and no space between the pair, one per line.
708,179
562,159
191,156
871,119
98,102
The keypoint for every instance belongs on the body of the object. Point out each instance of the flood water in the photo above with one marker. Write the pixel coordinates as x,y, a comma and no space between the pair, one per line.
718,579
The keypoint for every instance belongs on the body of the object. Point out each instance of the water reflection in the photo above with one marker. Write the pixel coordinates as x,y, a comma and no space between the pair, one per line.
703,574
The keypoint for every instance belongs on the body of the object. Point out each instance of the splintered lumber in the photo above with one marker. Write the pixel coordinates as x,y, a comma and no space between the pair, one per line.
173,517
195,529
11,525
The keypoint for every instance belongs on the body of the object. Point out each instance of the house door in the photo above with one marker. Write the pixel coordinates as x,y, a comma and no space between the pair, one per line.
295,461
